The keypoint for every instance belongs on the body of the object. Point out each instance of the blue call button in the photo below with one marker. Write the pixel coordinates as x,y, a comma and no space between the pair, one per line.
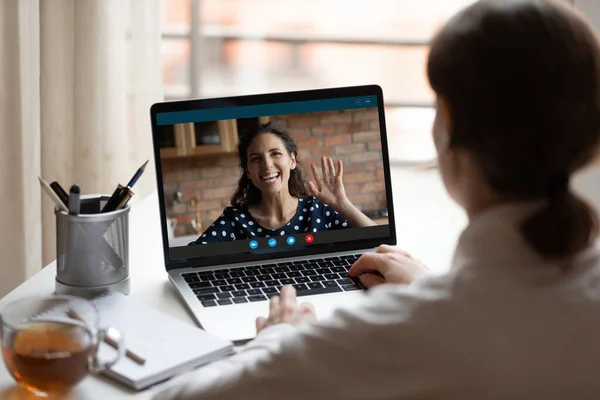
253,244
272,242
291,240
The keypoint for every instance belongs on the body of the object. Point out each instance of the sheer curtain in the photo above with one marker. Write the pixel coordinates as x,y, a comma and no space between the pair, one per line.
78,78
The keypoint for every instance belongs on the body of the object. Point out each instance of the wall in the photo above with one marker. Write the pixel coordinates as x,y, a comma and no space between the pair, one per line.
349,135
64,118
588,181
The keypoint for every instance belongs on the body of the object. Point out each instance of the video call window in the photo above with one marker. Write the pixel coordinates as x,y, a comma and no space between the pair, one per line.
207,198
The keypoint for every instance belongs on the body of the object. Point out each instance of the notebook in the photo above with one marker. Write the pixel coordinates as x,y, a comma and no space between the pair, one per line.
169,346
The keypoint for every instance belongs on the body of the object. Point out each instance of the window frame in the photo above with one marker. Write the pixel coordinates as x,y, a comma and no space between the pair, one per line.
196,34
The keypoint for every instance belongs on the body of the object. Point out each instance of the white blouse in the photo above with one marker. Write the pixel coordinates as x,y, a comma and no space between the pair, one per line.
502,324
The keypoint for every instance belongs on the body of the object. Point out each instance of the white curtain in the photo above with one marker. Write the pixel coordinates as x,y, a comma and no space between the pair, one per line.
78,78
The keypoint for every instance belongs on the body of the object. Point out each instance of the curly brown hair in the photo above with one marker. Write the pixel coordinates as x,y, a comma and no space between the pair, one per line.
246,193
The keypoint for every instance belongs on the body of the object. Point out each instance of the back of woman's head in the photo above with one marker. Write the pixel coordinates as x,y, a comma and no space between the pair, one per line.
246,193
522,82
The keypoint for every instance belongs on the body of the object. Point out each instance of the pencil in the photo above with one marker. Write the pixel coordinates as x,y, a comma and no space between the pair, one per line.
137,175
108,340
57,201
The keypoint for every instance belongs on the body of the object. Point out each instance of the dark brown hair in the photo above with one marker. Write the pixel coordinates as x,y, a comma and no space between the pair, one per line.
522,81
246,193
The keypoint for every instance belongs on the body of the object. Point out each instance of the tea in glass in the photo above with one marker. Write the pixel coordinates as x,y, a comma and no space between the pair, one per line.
46,349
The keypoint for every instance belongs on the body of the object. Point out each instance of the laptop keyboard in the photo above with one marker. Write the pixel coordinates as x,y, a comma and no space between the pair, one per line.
259,282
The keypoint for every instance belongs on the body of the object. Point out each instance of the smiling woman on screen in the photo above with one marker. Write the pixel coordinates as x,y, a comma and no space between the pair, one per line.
272,198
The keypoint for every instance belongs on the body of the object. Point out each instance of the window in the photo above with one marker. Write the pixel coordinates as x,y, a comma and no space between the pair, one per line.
231,47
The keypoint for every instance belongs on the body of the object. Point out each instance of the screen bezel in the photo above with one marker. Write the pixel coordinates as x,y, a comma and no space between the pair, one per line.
257,99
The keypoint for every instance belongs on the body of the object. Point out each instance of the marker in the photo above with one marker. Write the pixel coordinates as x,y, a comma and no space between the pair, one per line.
74,200
60,192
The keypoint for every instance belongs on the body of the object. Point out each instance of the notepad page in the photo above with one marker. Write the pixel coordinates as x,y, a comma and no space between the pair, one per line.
166,343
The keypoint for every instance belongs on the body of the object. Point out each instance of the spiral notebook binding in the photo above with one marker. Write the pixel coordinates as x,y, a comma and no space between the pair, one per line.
54,314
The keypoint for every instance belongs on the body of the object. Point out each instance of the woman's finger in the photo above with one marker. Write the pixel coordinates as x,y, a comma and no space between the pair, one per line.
261,322
384,248
370,280
368,262
307,311
306,307
340,172
274,310
331,167
288,301
313,188
324,166
315,173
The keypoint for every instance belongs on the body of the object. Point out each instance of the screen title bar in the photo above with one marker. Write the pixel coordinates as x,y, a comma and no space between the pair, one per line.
265,110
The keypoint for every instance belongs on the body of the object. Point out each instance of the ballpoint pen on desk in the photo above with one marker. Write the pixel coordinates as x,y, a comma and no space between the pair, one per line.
122,194
57,201
74,200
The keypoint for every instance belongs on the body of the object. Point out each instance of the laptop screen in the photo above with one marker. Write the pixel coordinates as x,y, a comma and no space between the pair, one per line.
271,176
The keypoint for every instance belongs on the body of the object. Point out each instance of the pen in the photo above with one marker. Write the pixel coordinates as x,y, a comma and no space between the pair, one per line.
120,196
114,200
53,196
125,196
60,192
74,200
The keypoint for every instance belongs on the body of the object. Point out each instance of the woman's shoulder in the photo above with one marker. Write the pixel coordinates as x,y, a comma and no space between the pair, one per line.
312,201
231,212
306,199
315,206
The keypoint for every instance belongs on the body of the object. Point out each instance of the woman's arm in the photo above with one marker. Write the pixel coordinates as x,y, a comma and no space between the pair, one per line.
370,350
352,214
329,189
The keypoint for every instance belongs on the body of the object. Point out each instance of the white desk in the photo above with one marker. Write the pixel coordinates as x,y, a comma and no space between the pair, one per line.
427,226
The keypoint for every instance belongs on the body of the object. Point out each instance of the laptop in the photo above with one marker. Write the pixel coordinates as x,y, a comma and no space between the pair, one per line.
225,261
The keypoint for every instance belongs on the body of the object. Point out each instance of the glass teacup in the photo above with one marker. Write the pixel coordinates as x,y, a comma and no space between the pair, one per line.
49,344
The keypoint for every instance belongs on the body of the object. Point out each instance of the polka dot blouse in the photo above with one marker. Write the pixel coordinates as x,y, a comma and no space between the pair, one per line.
238,224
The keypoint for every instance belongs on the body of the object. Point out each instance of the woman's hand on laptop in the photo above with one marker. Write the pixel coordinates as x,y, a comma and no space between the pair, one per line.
387,265
285,309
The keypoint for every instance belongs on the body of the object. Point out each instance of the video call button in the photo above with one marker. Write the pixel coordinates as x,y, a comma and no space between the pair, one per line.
253,244
272,242
309,238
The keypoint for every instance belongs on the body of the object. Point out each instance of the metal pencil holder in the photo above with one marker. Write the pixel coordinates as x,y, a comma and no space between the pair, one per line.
92,249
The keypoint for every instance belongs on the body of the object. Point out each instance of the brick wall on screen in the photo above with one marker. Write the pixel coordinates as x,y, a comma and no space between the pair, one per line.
349,135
